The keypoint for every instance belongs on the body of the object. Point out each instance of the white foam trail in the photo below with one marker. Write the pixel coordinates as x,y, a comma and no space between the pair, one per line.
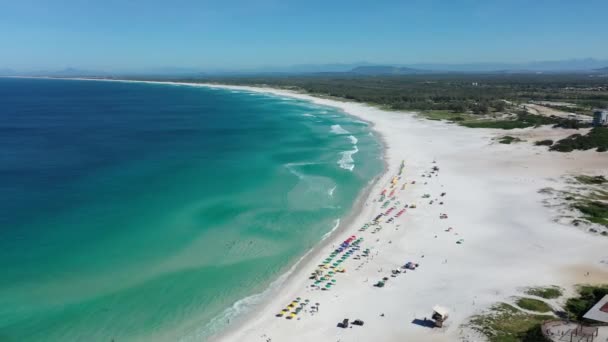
291,168
347,162
337,129
353,139
331,191
244,305
336,225
308,114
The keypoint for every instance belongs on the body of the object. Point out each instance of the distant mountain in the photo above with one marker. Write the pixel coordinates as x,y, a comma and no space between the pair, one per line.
72,72
570,65
385,70
358,68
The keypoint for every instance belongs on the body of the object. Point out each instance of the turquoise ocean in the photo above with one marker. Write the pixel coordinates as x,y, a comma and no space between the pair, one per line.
143,212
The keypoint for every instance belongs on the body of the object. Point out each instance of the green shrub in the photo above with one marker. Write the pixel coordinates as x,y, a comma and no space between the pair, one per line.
588,296
596,138
507,139
594,211
533,305
591,179
545,292
547,142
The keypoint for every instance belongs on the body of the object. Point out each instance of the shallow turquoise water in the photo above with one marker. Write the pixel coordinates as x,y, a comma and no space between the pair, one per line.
143,211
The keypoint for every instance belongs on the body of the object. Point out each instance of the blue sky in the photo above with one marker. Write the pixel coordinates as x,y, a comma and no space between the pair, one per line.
135,34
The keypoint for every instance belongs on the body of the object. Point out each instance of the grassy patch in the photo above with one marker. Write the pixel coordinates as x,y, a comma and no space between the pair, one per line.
588,296
446,115
547,142
596,138
523,120
505,323
533,305
549,292
507,139
594,211
600,195
591,179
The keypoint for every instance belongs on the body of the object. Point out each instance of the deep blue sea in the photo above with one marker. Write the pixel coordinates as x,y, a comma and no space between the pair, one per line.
141,212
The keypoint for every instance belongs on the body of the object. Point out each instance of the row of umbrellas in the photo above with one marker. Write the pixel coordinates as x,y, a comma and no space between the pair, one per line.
294,308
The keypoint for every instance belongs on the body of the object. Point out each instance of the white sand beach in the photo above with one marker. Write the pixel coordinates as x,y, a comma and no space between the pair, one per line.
509,238
499,235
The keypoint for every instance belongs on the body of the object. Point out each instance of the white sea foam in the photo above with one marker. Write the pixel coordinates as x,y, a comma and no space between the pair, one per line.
353,139
292,168
244,305
347,162
328,234
308,114
330,192
337,129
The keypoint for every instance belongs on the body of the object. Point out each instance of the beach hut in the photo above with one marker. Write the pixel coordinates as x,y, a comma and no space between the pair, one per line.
440,315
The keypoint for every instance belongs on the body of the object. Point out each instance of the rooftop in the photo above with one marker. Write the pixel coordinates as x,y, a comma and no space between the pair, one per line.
599,312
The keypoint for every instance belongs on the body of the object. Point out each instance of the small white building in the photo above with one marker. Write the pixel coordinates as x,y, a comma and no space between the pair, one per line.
600,118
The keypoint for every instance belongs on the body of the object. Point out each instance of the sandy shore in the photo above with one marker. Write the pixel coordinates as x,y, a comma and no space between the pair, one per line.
492,202
509,238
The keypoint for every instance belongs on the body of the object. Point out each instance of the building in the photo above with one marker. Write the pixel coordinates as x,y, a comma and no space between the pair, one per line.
600,118
599,312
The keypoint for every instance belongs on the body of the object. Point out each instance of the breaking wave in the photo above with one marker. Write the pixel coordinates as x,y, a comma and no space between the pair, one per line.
347,162
337,129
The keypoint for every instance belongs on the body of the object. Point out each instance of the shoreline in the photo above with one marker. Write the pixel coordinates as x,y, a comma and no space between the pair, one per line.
245,329
512,240
294,269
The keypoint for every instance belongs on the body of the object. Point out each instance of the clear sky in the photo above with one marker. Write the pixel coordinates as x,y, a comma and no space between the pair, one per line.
127,34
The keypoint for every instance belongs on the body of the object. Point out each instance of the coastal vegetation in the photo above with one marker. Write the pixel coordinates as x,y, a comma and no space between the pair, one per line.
584,179
496,100
477,94
506,323
546,142
583,203
587,296
596,138
533,305
549,292
593,211
507,139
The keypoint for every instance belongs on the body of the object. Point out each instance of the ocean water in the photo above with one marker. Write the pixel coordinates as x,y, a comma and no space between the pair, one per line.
142,212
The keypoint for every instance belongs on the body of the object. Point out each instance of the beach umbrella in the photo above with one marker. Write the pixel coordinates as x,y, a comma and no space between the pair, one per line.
307,300
333,280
